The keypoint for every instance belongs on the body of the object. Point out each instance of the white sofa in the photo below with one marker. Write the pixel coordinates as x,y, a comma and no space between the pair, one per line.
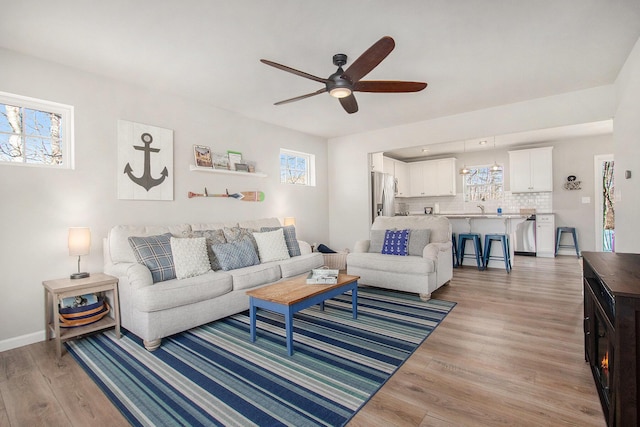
156,310
420,274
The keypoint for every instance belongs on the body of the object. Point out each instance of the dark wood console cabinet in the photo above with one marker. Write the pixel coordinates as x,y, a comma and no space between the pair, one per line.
612,332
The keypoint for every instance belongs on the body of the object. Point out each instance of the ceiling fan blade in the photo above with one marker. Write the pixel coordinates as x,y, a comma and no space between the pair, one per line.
293,71
349,104
370,59
389,86
298,98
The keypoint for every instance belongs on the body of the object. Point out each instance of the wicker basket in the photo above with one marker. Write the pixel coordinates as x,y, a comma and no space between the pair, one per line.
337,260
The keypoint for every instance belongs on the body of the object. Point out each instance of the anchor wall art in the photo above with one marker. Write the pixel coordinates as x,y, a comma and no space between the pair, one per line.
145,162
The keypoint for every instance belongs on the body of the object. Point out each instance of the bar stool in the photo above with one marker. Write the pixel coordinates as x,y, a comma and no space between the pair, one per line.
506,254
572,230
454,250
475,238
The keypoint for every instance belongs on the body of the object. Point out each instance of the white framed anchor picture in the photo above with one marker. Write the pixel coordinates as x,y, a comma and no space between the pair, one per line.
145,162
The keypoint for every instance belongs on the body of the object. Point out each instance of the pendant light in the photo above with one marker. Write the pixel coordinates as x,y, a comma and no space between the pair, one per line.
495,167
465,170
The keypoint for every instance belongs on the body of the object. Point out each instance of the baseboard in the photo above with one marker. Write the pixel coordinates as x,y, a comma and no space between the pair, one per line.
21,341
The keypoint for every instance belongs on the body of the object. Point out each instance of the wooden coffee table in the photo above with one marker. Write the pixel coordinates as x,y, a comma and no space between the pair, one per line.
290,296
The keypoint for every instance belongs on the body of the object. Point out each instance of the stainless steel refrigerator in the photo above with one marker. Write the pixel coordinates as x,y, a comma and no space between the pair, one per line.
383,194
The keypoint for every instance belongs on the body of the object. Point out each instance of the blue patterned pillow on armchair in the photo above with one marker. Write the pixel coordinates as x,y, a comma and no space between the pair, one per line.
396,242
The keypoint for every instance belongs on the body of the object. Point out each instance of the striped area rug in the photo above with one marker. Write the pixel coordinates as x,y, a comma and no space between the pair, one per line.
213,375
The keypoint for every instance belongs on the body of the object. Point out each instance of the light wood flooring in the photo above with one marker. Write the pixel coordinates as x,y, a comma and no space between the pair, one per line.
509,354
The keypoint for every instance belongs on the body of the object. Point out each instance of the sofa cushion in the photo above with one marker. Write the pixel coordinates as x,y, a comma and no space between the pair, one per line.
155,253
213,237
396,242
256,275
418,239
119,248
190,256
377,240
271,245
234,234
289,237
295,266
236,254
397,264
175,293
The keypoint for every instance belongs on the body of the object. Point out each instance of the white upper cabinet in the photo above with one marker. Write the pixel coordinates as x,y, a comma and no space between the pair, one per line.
377,162
400,171
531,170
433,178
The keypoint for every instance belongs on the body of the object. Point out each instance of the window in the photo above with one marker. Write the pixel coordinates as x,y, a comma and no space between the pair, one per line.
35,132
297,168
483,184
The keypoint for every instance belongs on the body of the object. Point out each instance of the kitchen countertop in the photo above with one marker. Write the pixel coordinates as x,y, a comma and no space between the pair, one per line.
477,215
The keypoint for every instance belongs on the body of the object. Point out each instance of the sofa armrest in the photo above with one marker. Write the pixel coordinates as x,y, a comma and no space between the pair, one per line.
139,276
433,250
305,248
362,246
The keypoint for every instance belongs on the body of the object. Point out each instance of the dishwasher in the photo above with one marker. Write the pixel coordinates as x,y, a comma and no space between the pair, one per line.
526,237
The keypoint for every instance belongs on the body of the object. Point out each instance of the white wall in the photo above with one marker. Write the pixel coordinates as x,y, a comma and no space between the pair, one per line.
576,157
626,132
38,205
348,160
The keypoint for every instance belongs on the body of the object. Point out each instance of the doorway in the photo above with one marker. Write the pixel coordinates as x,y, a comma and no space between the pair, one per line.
604,206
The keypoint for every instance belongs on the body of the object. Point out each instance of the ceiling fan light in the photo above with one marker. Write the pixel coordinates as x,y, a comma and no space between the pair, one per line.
340,92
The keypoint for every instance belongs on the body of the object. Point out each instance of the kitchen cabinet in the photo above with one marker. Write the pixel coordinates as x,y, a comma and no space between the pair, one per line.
400,172
531,170
377,162
433,178
545,235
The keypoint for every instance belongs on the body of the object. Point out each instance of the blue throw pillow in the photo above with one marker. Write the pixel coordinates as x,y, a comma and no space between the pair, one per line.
155,253
236,254
395,242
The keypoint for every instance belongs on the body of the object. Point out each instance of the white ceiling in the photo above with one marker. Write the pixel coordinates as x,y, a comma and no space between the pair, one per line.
474,54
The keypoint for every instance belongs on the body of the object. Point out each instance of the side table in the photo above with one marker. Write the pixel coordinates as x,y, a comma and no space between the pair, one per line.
55,290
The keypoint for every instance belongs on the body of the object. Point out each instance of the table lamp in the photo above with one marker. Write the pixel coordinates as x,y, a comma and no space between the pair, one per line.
289,221
79,244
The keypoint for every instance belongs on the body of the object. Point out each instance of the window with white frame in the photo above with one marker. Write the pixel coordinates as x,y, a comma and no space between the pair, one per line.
35,132
297,168
482,183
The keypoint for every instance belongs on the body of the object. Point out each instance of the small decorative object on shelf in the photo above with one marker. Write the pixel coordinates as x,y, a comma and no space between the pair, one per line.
234,158
247,196
322,276
572,184
242,167
202,155
220,161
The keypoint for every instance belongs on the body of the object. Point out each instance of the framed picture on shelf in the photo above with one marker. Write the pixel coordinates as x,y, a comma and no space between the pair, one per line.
202,155
220,161
242,167
234,157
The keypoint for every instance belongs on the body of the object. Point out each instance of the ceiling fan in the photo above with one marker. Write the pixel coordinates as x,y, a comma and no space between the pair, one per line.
342,84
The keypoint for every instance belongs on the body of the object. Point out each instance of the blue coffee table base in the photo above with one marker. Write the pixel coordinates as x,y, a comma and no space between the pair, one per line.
288,310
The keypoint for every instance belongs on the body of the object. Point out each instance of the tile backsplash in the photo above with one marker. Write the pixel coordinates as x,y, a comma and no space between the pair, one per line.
510,203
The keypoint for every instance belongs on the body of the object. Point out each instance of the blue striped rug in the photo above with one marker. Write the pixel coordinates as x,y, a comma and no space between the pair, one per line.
213,375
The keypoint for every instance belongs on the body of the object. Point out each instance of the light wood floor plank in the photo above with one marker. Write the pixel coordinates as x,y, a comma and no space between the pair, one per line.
509,354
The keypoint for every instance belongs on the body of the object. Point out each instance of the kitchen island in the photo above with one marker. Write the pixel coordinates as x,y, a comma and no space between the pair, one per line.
487,224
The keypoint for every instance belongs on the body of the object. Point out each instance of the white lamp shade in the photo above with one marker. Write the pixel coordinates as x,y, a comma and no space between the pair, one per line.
290,221
79,241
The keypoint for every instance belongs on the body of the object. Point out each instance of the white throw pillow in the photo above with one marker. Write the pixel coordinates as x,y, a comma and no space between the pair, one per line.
271,245
190,256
